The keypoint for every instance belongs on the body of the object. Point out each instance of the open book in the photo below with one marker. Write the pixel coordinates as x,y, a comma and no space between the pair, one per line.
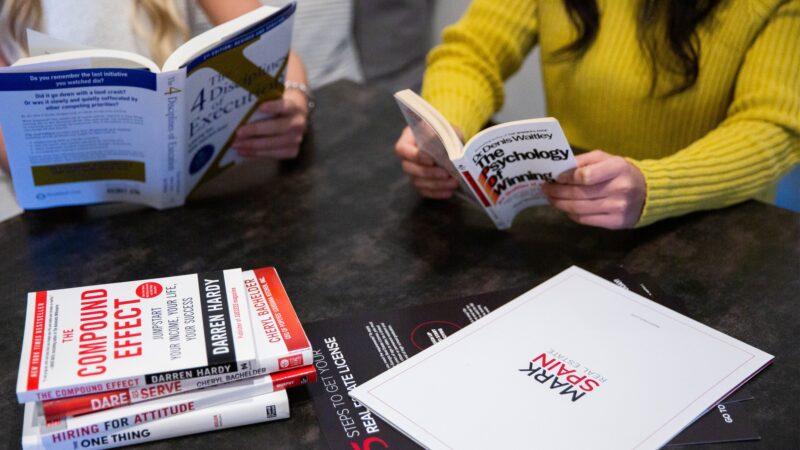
86,126
500,168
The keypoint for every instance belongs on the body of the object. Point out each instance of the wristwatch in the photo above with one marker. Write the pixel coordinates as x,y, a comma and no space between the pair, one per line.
302,87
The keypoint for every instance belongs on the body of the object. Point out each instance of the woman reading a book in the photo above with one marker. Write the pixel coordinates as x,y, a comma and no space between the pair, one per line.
692,105
155,29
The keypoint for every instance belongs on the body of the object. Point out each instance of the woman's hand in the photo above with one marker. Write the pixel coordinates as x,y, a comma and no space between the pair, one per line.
604,191
278,136
430,180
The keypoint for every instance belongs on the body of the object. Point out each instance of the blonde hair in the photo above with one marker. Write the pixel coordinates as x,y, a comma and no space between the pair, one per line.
166,31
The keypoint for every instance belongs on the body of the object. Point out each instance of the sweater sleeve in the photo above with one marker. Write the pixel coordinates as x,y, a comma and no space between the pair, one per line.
465,74
757,142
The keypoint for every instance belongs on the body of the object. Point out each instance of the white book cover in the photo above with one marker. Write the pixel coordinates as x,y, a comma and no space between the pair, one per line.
84,126
260,408
280,344
576,362
503,167
92,339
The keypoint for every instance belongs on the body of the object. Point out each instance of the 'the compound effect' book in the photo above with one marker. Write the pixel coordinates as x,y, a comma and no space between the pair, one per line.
115,336
152,338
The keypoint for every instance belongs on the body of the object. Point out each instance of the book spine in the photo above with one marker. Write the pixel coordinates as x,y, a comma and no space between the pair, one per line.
115,420
42,395
482,196
172,167
263,408
76,406
281,341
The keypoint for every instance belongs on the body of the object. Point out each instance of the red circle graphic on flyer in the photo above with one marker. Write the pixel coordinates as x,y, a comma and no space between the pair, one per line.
149,289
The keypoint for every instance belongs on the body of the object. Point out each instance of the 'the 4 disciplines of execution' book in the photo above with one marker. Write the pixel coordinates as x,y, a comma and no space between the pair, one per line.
564,366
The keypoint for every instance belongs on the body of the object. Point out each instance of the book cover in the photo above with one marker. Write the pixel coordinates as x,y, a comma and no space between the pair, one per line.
502,167
85,126
108,337
279,343
262,408
604,357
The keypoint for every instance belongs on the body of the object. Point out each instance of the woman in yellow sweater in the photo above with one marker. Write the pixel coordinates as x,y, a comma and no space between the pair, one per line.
695,105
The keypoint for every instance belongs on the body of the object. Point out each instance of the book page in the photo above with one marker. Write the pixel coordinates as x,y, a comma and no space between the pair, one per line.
427,139
435,137
511,161
80,136
44,44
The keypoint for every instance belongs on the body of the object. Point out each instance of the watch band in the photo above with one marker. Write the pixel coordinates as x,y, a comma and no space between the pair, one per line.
302,87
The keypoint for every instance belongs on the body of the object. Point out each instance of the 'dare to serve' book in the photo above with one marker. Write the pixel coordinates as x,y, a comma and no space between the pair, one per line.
85,126
72,432
501,168
577,362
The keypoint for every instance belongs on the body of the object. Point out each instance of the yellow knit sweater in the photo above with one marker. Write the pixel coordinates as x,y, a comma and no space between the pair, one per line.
727,139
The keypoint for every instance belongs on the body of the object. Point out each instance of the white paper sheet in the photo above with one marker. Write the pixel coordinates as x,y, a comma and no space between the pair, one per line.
654,371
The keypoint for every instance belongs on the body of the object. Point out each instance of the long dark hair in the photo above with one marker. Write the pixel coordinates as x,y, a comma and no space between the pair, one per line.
670,22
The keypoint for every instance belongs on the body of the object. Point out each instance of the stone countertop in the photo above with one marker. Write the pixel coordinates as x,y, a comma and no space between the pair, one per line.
348,233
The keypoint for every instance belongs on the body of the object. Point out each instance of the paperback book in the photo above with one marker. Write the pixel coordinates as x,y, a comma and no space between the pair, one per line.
85,126
60,412
261,408
53,434
121,343
502,168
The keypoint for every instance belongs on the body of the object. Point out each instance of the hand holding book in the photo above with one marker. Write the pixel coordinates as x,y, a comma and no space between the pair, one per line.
517,165
501,169
603,191
429,180
278,130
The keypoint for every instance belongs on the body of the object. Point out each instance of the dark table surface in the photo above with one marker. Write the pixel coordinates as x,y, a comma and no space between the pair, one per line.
347,233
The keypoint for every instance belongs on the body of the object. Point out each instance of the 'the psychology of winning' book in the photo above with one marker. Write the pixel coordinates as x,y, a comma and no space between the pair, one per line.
110,344
501,168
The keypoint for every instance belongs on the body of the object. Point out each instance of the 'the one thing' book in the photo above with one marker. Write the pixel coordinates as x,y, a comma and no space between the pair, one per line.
501,168
90,125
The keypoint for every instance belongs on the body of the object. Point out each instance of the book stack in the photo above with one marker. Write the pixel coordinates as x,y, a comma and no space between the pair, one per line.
118,364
